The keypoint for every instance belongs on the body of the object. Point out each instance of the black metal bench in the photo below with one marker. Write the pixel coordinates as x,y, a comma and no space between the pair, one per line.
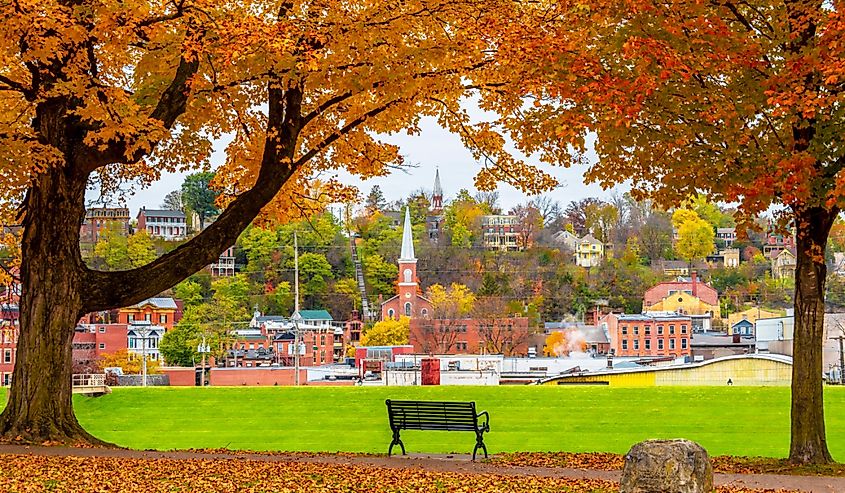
436,415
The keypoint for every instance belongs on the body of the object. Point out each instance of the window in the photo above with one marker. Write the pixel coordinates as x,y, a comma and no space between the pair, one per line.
148,317
636,330
624,330
251,345
424,312
408,309
130,318
660,330
648,343
636,344
323,340
162,319
683,343
660,344
683,329
7,379
647,330
671,330
625,344
102,345
407,275
7,356
102,330
390,313
671,343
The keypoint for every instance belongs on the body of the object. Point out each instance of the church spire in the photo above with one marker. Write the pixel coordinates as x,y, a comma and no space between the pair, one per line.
437,196
407,238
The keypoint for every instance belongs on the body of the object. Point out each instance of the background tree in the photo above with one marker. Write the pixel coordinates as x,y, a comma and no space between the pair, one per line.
695,236
387,333
548,208
759,127
199,197
575,214
496,328
488,201
112,248
173,201
600,219
529,222
462,220
441,329
140,249
375,201
130,363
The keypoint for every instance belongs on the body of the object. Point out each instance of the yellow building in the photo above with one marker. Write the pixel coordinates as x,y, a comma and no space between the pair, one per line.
748,370
588,251
752,314
686,303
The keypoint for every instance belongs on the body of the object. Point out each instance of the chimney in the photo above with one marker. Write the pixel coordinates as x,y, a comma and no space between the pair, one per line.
694,283
609,361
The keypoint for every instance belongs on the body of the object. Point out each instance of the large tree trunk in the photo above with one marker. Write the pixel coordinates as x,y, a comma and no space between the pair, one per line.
808,442
40,407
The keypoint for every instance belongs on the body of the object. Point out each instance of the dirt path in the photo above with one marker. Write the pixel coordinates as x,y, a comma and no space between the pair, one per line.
441,463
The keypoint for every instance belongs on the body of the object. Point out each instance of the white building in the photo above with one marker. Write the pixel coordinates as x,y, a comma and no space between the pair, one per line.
169,225
144,338
771,331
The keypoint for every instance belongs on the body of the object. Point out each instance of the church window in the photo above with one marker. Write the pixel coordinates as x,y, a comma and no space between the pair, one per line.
424,312
408,274
390,313
407,309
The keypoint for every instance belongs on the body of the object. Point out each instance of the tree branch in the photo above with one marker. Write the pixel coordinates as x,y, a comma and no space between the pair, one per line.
13,85
171,105
343,131
107,290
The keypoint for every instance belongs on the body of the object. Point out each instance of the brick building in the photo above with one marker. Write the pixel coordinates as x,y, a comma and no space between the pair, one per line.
507,335
655,335
158,311
169,225
98,219
92,341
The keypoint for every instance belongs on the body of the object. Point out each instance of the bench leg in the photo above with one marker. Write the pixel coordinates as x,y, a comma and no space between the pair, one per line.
396,441
479,444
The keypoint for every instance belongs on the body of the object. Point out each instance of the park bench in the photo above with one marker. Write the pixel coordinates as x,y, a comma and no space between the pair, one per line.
439,416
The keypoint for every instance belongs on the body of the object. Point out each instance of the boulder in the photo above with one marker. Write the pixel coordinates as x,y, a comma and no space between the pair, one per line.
667,466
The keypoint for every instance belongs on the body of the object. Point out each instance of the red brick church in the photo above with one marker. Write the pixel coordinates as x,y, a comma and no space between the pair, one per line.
407,302
434,335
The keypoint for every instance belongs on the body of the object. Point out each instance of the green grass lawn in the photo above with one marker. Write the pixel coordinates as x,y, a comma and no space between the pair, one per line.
725,420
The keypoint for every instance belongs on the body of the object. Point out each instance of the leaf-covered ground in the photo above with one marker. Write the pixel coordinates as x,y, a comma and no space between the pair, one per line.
614,462
33,473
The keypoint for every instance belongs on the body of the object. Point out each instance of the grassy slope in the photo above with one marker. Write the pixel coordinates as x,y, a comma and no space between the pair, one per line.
726,420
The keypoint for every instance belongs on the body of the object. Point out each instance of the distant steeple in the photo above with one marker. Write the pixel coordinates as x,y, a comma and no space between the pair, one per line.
407,238
437,196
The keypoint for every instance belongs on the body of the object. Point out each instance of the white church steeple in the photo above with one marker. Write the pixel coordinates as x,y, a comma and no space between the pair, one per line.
407,239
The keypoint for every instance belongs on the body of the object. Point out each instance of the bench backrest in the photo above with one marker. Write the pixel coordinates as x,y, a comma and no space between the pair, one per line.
432,415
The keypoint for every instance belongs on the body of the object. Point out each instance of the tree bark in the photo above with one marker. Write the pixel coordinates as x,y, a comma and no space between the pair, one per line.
40,408
808,442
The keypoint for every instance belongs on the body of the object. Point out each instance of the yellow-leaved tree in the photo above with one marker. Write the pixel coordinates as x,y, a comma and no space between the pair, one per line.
101,93
388,332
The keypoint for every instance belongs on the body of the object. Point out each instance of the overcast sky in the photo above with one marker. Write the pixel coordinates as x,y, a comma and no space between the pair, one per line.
433,148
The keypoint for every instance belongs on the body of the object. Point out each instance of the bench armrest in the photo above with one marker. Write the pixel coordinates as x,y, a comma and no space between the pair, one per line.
486,425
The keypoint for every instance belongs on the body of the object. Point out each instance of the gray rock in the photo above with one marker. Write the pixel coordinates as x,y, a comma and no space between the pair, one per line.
667,466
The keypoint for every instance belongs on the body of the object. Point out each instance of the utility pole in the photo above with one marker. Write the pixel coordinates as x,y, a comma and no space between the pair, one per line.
203,348
296,316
